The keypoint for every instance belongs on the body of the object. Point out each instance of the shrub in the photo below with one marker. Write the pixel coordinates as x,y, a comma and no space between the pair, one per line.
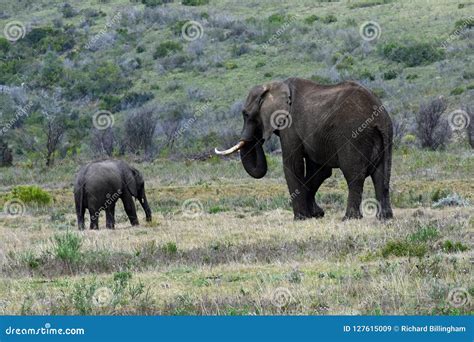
457,91
67,247
453,200
194,2
424,234
140,127
170,248
431,129
311,19
413,54
230,65
68,11
470,128
390,75
404,248
152,3
453,247
276,19
330,18
166,48
465,23
31,194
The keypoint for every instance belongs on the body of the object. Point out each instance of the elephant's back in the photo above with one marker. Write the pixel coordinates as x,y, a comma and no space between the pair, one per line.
103,174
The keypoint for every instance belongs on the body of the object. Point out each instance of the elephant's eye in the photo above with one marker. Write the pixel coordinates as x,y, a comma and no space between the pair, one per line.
245,114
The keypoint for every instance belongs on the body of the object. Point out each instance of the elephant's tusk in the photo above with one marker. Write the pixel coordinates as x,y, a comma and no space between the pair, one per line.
230,150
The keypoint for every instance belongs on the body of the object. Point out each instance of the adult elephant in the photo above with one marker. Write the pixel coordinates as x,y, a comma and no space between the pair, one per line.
321,127
100,184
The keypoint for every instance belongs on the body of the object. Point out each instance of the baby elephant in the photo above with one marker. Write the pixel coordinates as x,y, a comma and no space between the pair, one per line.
100,184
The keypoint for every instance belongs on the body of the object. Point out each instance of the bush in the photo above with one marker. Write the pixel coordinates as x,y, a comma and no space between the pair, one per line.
311,19
330,18
413,54
431,129
67,247
194,2
31,194
165,48
402,248
457,91
453,247
453,200
390,75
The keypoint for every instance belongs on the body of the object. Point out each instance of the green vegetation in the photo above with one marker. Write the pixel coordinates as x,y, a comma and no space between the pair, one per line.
412,54
31,194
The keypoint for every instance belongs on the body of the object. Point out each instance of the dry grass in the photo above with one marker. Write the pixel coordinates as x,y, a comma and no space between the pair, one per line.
246,257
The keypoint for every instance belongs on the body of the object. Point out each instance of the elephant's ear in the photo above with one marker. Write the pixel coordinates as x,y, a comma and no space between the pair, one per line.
275,109
131,181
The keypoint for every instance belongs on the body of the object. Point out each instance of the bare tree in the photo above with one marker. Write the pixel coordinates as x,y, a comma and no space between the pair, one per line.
6,157
431,128
172,117
103,141
399,130
139,129
470,127
55,128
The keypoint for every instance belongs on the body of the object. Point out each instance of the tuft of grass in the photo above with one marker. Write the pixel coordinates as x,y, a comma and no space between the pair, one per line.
424,234
170,248
67,247
401,248
453,247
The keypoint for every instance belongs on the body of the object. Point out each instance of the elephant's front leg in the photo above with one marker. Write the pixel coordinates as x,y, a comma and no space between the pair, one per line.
293,165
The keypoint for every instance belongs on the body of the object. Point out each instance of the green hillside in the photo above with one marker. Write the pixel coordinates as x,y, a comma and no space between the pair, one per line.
127,58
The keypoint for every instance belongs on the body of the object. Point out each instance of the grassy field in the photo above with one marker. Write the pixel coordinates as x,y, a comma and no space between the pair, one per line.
236,249
221,242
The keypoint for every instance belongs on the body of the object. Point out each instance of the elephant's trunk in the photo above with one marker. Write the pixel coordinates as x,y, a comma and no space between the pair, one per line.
253,159
146,208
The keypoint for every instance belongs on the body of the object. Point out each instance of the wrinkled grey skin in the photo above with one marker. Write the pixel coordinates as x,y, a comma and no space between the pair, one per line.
100,184
340,126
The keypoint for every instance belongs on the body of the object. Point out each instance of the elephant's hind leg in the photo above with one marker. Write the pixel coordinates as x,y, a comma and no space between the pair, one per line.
94,215
382,193
110,217
315,176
